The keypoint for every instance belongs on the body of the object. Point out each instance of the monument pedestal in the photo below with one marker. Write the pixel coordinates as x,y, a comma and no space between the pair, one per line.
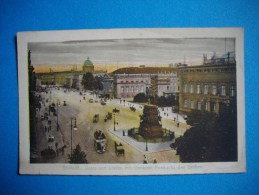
150,123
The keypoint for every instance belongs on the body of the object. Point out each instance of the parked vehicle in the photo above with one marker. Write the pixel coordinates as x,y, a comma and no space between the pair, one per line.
115,110
91,100
108,117
119,150
96,118
99,142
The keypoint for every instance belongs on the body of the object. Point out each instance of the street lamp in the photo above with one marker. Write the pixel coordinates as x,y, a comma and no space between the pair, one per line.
58,104
72,128
115,123
146,138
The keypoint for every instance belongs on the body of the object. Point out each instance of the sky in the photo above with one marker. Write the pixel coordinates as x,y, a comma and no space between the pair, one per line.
128,52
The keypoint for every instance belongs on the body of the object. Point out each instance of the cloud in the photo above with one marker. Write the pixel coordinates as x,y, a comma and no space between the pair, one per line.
128,51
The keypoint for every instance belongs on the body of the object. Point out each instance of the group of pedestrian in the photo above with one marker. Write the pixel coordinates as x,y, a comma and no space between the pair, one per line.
146,161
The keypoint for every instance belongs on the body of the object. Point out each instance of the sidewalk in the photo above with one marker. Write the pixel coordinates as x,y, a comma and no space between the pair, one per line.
141,146
47,128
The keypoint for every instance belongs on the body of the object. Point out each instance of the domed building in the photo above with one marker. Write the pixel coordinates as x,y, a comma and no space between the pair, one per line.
88,66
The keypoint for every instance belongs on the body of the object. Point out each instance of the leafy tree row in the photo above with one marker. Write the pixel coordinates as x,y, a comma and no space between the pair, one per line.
212,138
159,101
163,101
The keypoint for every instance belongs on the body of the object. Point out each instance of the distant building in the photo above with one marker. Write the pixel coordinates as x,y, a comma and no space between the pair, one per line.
107,83
228,58
88,66
164,84
210,86
177,65
128,82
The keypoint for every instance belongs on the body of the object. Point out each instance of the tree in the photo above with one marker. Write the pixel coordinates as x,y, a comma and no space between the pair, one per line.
77,156
212,138
163,101
140,97
91,83
88,81
98,83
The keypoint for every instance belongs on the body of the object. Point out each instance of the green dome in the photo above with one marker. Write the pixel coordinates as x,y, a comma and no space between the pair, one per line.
88,62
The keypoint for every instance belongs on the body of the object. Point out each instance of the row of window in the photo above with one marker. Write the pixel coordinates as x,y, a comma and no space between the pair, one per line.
134,81
131,89
206,90
200,105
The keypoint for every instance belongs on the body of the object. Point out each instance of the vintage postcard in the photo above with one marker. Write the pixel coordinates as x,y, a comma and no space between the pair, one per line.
131,101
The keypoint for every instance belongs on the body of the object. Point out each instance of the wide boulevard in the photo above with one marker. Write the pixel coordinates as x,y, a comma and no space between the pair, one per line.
79,108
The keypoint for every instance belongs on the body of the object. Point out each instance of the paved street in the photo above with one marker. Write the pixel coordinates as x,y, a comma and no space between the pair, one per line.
78,106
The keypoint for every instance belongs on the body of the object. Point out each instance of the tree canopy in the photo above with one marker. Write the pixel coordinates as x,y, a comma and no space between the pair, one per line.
91,83
140,97
212,138
78,156
163,101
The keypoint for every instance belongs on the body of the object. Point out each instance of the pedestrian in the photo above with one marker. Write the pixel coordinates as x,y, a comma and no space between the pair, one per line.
56,144
145,159
45,129
57,151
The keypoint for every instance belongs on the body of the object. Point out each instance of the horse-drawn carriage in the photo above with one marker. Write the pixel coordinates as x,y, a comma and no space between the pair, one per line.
99,142
115,110
96,118
119,150
108,117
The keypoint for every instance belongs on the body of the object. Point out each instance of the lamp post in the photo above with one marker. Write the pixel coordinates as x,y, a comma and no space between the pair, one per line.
72,128
146,138
114,123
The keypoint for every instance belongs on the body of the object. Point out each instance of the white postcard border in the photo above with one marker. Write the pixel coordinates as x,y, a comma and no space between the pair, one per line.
127,169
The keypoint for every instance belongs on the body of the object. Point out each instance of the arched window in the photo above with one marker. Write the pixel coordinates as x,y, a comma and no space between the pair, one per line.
198,88
185,103
191,104
206,89
214,89
223,90
191,88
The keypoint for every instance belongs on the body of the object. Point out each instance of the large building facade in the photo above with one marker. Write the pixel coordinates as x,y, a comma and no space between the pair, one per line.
128,82
164,85
208,87
129,85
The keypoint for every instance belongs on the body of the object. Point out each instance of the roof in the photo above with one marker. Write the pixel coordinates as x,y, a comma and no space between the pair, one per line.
88,62
145,70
